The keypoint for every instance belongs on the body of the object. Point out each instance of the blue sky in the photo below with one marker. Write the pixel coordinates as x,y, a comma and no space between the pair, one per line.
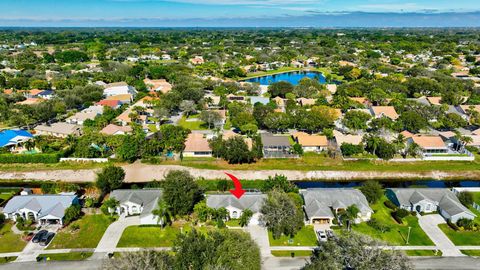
240,13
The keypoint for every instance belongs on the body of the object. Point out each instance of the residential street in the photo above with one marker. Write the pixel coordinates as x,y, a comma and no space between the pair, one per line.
429,224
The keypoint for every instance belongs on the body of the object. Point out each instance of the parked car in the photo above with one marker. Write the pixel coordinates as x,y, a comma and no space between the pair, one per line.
322,236
47,239
331,235
39,236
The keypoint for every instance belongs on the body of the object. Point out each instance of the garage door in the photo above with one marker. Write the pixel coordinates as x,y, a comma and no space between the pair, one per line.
321,221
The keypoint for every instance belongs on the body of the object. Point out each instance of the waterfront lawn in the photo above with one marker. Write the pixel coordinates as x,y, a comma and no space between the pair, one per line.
288,253
312,161
305,237
92,228
72,256
398,232
10,242
419,252
461,238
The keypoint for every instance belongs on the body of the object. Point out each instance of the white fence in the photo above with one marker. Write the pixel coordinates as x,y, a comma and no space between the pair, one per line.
449,158
97,160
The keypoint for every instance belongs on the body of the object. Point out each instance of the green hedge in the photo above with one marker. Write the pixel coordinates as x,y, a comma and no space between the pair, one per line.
29,158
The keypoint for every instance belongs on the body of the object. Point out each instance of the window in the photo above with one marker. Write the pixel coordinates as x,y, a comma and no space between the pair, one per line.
428,207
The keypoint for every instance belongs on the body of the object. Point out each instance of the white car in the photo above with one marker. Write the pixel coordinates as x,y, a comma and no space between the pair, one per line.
322,236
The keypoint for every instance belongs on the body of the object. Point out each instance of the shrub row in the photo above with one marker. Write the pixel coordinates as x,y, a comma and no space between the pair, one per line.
390,205
452,225
29,158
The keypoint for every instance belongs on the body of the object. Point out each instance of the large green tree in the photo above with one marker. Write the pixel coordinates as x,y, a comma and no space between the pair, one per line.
181,192
110,178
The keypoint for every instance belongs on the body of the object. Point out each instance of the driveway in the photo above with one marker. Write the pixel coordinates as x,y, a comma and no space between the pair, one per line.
112,235
259,234
429,225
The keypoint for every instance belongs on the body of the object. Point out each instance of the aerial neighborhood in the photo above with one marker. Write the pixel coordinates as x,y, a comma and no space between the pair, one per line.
117,141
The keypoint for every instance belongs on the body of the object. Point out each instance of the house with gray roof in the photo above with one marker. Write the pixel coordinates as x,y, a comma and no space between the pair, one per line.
429,200
276,146
137,202
235,207
46,209
321,204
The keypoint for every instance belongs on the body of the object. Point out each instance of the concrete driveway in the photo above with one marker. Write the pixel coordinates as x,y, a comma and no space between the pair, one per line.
429,225
112,235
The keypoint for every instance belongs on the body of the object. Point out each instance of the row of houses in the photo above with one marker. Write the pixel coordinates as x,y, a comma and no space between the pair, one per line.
321,205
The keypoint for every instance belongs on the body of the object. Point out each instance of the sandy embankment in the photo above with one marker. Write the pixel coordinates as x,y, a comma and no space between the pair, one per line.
138,172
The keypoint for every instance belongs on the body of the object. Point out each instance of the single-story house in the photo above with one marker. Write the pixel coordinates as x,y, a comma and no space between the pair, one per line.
276,146
80,117
46,94
429,144
321,204
123,98
256,99
311,143
227,134
196,145
114,104
158,85
113,129
137,202
341,138
429,200
46,209
235,207
384,111
11,138
435,100
120,88
60,129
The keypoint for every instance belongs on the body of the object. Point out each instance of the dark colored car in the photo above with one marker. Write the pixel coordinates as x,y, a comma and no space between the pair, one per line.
39,236
46,239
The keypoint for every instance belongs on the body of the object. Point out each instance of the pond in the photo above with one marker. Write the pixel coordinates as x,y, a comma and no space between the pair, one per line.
291,77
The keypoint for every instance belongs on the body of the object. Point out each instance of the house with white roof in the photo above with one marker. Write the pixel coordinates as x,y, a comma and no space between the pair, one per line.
235,207
322,204
428,200
46,209
137,202
120,88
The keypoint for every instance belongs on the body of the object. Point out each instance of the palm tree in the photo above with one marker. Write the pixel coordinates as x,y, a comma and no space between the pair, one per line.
400,142
351,213
162,212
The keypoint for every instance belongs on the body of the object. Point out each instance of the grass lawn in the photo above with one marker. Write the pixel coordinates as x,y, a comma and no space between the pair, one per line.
72,256
461,238
288,253
53,166
398,233
10,242
312,161
7,259
471,252
153,236
305,237
418,252
233,223
192,125
92,228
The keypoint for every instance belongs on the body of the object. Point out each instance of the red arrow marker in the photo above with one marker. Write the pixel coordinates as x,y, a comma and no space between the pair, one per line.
238,191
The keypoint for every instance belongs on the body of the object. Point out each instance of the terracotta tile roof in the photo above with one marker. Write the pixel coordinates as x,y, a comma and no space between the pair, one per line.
407,134
196,143
475,140
8,91
343,138
112,129
158,85
109,103
435,100
476,132
34,92
361,100
30,101
311,140
466,108
388,111
124,97
429,141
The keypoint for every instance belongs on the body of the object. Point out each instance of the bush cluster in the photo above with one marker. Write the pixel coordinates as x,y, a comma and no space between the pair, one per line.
29,158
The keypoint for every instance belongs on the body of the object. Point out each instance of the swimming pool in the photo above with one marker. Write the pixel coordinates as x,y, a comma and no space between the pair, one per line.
292,77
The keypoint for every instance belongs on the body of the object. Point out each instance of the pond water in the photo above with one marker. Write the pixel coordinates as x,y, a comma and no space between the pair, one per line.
291,77
389,184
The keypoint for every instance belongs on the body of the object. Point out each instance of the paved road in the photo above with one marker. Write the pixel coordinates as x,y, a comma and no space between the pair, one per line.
54,265
446,263
112,235
429,225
